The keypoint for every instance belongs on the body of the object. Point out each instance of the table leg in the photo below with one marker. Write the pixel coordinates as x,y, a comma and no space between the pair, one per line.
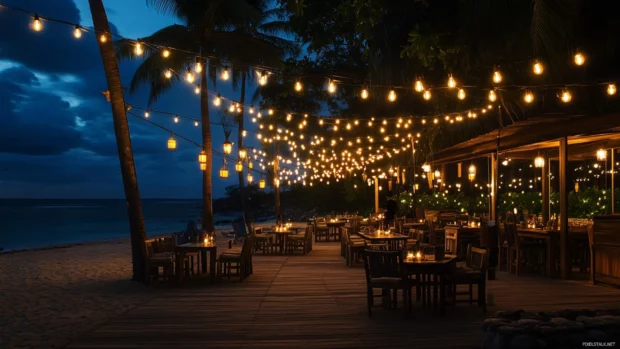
212,263
435,299
442,294
203,261
180,263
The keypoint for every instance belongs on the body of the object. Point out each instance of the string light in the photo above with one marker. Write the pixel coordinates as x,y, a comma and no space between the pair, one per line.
227,146
461,94
196,123
146,114
427,95
138,49
261,183
165,53
451,82
189,77
225,75
250,178
252,109
392,96
197,89
243,153
298,86
497,77
418,86
566,96
37,24
528,97
217,101
611,89
579,59
601,154
176,119
77,32
262,78
539,162
168,74
364,93
492,96
538,68
331,87
198,67
103,38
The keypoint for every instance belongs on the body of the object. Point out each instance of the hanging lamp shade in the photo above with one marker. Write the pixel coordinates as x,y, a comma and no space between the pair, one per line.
203,166
172,143
261,183
601,154
250,178
426,167
202,157
227,147
539,162
224,172
239,166
243,153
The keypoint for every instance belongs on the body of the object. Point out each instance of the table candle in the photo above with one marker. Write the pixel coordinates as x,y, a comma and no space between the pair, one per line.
418,255
409,256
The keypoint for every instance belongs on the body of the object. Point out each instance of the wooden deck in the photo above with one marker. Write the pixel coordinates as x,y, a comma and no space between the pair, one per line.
316,301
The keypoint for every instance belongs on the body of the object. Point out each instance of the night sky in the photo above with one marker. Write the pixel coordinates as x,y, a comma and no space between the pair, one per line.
56,132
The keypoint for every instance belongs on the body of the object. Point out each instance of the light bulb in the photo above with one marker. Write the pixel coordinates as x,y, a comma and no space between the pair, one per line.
217,101
197,89
364,94
528,97
538,68
251,110
298,86
566,96
427,95
138,49
497,77
461,94
77,32
165,53
262,80
392,96
168,74
196,123
231,108
103,38
198,67
36,24
189,77
611,89
225,75
418,86
176,119
492,96
580,59
146,114
331,87
451,82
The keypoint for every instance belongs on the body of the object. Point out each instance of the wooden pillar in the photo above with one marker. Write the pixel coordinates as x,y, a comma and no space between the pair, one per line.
563,222
276,183
613,181
376,194
544,178
494,181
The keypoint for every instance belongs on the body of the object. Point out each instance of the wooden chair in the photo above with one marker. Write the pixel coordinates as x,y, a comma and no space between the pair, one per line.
264,241
320,230
155,260
239,262
297,242
385,270
354,247
473,273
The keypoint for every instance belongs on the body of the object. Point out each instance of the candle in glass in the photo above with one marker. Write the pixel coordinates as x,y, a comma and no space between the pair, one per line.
409,256
418,255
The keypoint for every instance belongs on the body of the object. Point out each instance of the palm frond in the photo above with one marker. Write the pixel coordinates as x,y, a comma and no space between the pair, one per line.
151,72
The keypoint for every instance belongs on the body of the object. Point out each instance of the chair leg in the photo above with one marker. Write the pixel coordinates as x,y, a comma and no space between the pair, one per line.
471,294
369,300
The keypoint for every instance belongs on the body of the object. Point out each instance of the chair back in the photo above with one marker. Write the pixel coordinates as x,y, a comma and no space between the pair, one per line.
165,244
479,258
248,244
149,247
379,264
511,233
399,225
308,234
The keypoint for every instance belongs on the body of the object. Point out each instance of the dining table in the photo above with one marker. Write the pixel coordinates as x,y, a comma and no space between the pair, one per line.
394,241
335,228
433,279
204,248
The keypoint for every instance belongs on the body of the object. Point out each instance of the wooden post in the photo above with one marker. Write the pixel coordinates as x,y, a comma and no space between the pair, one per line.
545,189
494,180
413,180
613,181
563,223
376,194
276,183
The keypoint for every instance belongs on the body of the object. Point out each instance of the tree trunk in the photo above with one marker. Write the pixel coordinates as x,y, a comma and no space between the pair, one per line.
123,142
207,185
276,185
240,145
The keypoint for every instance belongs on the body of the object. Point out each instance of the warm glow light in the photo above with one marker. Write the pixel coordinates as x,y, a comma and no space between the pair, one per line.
611,89
392,96
539,162
528,97
364,94
451,82
243,153
492,96
224,172
437,174
262,80
461,94
225,74
331,87
197,89
198,67
427,95
168,74
77,32
497,77
138,49
250,178
172,143
202,157
418,86
189,77
36,24
426,167
601,154
566,96
227,147
217,101
538,68
239,166
103,39
580,59
261,183
298,86
165,53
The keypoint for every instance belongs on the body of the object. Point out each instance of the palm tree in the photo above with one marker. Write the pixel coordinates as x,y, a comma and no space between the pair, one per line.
208,29
123,142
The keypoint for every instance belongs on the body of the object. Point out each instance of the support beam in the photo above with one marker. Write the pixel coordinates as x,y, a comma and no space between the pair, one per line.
544,178
494,181
563,220
376,179
613,181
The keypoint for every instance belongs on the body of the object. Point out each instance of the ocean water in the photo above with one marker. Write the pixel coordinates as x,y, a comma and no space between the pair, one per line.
32,223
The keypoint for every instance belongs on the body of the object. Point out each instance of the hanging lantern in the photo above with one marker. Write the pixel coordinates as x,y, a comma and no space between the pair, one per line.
227,147
472,172
576,187
611,89
172,143
203,167
224,171
243,153
202,157
250,166
239,166
426,167
250,178
261,183
539,162
601,154
437,174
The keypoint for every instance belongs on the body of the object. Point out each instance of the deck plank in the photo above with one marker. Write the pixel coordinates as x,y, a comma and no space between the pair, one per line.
316,301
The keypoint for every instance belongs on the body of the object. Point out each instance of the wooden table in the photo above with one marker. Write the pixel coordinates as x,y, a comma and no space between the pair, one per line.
457,236
432,275
394,240
335,228
203,248
281,238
